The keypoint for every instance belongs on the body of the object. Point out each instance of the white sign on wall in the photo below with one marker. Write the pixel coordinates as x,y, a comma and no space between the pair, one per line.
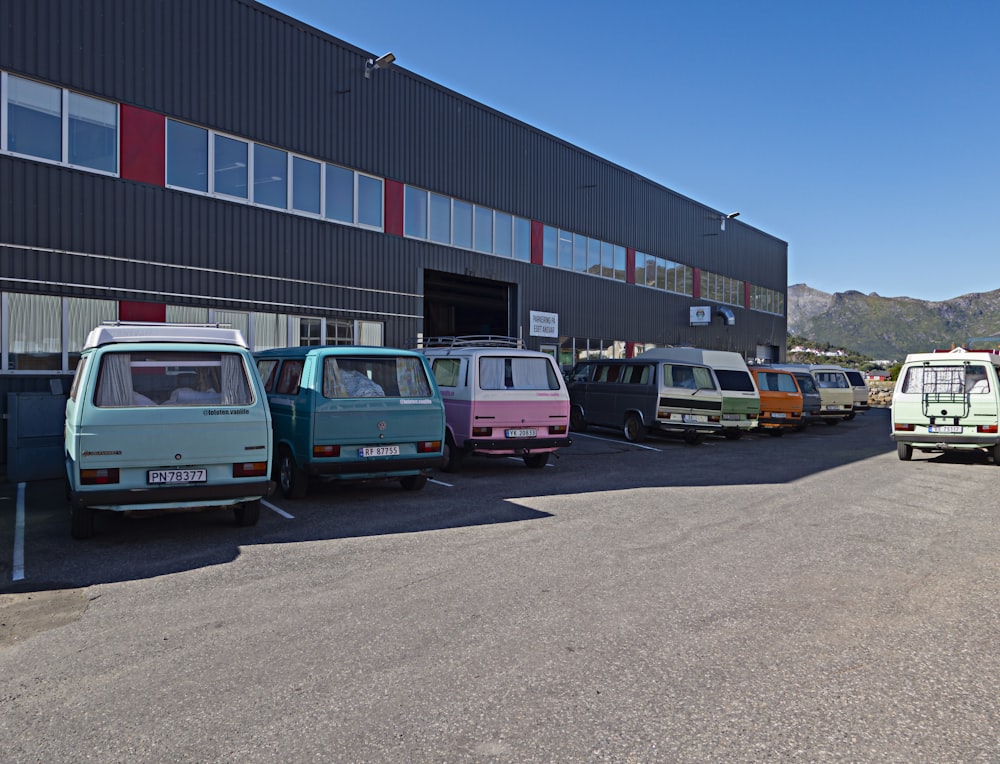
544,324
701,315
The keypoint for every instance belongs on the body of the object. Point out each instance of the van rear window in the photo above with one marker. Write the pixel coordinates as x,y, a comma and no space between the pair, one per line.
517,373
354,377
735,380
953,380
162,378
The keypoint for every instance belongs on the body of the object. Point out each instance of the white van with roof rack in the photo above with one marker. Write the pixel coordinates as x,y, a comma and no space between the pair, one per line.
500,399
166,416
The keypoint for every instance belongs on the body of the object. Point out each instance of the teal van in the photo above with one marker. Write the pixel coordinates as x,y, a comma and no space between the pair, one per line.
346,412
166,416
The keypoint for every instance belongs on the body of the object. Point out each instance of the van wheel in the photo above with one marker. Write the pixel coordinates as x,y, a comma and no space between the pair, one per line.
453,455
536,461
905,452
693,437
293,480
996,454
81,522
576,420
413,482
850,416
247,513
633,429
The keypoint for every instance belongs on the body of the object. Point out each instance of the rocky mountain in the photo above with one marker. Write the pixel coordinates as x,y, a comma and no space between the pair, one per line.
891,327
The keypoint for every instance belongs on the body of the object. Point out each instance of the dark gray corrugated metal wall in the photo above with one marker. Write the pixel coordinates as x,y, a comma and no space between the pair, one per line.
239,67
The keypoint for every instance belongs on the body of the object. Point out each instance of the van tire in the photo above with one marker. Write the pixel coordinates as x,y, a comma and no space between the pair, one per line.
247,514
81,522
453,455
536,461
995,452
293,480
633,429
904,451
413,482
577,421
693,437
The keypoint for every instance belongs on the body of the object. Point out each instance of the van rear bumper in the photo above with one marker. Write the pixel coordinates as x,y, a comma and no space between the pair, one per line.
375,465
516,445
944,440
122,497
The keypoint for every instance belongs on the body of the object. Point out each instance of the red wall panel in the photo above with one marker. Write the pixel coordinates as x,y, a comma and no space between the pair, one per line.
143,145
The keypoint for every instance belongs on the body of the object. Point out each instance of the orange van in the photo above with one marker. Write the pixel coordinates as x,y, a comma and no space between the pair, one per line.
780,400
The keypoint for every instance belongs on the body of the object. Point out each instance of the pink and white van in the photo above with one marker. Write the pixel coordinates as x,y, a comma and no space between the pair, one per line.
499,399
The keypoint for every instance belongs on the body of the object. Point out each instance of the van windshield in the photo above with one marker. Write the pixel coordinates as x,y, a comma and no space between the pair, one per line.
357,377
165,378
773,381
517,373
735,380
831,379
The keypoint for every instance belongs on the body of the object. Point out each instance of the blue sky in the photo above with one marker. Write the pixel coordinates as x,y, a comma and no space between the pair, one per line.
862,133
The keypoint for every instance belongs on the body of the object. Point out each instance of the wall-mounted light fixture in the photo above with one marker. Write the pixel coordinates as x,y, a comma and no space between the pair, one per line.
382,62
730,216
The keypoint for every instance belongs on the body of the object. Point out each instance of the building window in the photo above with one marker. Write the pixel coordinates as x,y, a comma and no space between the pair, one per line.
462,228
503,234
306,185
35,332
415,212
522,239
93,133
370,201
339,332
440,219
339,194
483,230
270,176
34,119
187,156
232,167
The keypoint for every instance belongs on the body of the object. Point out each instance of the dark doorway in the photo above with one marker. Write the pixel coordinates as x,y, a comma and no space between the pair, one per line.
461,305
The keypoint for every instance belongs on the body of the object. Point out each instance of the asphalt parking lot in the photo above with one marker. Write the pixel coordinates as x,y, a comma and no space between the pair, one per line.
806,598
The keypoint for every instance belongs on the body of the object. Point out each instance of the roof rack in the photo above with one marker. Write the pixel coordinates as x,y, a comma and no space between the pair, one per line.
470,340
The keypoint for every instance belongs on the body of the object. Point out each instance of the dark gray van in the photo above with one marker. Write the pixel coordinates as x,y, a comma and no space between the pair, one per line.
642,396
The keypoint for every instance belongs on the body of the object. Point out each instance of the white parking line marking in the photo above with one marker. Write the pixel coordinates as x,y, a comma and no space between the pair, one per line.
278,510
609,440
18,560
440,482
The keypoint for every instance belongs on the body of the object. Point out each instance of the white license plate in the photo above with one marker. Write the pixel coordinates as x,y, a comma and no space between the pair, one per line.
778,415
520,433
731,417
157,477
945,428
379,451
833,408
693,418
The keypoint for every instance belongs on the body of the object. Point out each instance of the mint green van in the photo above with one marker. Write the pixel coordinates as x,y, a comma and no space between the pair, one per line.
166,416
352,413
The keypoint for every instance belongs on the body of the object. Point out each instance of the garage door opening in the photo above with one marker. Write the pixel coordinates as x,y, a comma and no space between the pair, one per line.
459,305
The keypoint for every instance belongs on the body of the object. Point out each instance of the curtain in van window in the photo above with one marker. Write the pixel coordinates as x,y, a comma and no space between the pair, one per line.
333,387
235,388
411,379
491,373
114,386
530,373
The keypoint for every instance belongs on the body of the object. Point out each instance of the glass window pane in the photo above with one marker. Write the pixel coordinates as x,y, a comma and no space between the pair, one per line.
503,234
35,332
607,260
236,320
270,330
579,253
339,194
522,239
339,332
566,250
415,212
231,161
484,229
310,331
440,219
305,185
270,176
370,201
594,257
186,314
187,156
550,246
462,231
84,315
34,119
620,263
93,133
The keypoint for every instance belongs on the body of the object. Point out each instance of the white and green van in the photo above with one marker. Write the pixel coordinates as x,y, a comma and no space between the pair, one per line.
947,401
740,397
166,416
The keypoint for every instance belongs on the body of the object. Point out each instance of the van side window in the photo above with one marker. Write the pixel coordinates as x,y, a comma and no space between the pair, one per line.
517,373
161,378
267,368
636,375
77,378
977,382
606,372
288,380
446,371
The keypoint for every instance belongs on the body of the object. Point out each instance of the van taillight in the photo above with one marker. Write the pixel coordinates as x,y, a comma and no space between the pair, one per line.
99,477
989,428
559,429
322,451
714,418
482,432
250,469
428,446
904,427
